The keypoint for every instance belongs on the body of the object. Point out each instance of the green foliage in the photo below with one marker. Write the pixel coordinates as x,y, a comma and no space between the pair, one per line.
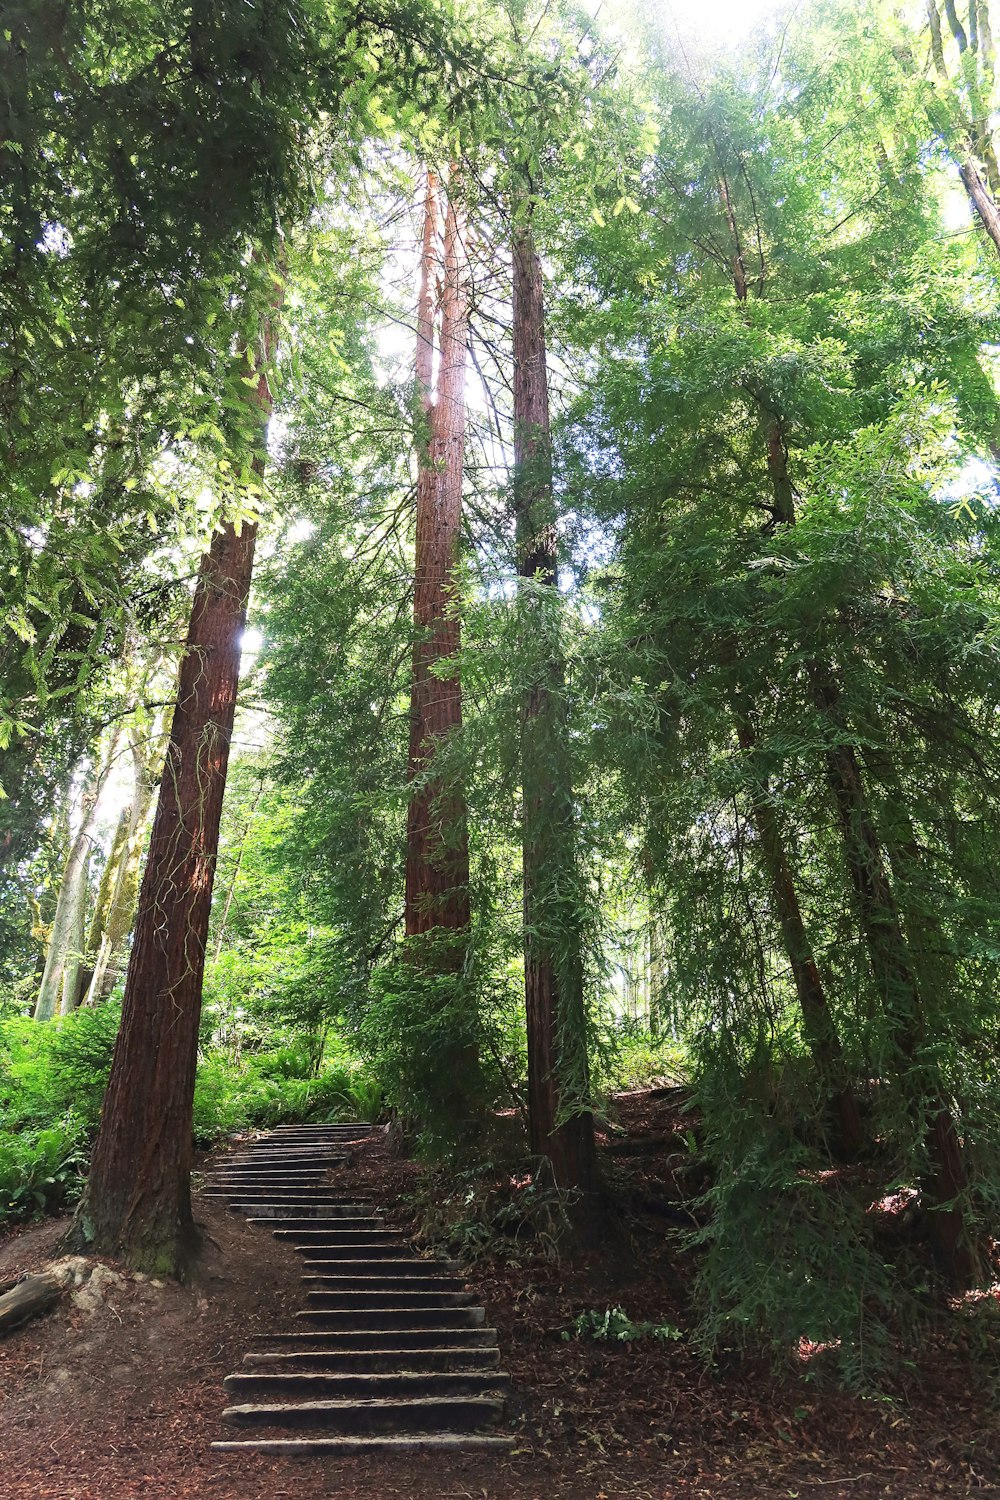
41,1171
52,1081
615,1326
61,1066
268,1089
627,1056
421,1034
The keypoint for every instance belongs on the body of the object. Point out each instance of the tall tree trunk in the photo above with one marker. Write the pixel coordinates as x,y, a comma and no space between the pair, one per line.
137,1202
437,852
436,907
59,978
108,880
946,1179
123,881
818,1022
561,1125
75,974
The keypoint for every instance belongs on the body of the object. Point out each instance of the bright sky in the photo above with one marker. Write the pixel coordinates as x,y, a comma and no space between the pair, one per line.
715,21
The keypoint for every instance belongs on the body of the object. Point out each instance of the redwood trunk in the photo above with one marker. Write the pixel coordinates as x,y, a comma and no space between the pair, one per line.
437,851
137,1203
561,1126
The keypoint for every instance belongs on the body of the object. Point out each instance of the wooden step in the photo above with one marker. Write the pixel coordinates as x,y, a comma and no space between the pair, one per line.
321,1295
390,1415
324,1273
367,1319
381,1340
287,1192
373,1361
329,1385
303,1232
411,1278
349,1447
318,1258
255,1209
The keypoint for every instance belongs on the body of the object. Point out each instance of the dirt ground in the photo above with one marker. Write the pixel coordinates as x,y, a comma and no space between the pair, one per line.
117,1394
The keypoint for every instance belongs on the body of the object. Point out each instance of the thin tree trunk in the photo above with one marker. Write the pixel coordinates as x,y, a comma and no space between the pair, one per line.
124,885
59,977
109,879
137,1202
817,1018
945,1180
818,1021
437,855
75,973
237,866
981,197
946,1177
561,1125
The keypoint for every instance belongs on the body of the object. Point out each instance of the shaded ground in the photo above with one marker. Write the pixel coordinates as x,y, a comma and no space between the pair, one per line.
120,1396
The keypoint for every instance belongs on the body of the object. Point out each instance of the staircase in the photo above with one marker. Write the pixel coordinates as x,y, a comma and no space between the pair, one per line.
389,1352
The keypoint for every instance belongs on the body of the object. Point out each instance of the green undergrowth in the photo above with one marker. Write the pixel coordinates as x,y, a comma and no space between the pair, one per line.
628,1056
493,1210
614,1325
52,1081
277,1088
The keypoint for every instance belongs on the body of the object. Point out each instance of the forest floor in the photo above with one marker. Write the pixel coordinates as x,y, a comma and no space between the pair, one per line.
118,1393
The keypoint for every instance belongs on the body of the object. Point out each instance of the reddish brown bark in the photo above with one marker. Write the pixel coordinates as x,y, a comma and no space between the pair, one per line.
561,1126
437,853
137,1203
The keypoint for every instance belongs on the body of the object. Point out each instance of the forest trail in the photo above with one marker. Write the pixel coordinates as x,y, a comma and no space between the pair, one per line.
390,1352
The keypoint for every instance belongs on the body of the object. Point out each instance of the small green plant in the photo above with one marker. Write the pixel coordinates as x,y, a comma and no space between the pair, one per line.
615,1325
41,1172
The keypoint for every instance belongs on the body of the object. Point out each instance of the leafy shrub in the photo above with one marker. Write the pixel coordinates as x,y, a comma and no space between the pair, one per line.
42,1171
488,1211
262,1091
615,1325
63,1065
629,1057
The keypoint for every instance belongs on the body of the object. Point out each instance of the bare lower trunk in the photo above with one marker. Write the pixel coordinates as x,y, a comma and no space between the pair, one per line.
818,1023
137,1203
561,1125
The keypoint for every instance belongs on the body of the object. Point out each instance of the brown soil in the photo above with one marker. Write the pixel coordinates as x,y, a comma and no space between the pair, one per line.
123,1401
